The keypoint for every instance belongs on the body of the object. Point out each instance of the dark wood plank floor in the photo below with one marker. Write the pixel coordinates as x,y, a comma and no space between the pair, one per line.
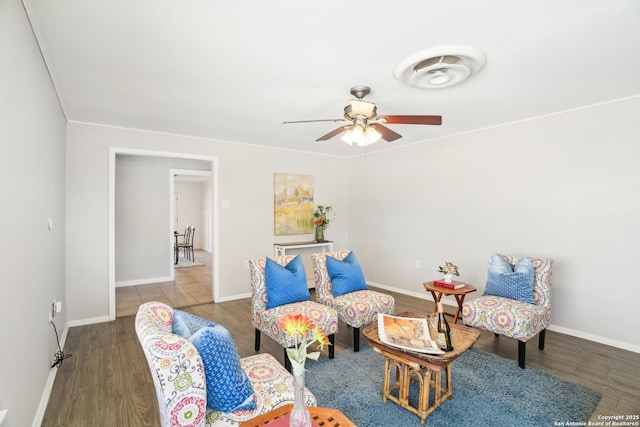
106,382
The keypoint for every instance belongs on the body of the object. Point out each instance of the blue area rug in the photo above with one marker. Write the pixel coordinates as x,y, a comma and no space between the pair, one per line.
488,390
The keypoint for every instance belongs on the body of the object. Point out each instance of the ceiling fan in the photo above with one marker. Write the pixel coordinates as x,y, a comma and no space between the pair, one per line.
361,124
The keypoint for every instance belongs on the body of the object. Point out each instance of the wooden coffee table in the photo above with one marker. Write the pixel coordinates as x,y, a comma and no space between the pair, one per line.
328,417
427,369
438,291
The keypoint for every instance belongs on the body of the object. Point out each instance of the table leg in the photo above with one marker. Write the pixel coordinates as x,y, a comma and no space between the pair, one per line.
385,386
460,301
175,248
423,404
437,296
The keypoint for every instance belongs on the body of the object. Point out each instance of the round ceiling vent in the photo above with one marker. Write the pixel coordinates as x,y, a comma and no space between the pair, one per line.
440,67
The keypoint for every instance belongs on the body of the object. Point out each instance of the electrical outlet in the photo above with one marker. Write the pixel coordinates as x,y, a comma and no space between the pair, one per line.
58,306
246,264
418,264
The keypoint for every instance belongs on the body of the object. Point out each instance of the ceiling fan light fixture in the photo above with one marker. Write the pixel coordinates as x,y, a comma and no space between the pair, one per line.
371,135
361,136
440,67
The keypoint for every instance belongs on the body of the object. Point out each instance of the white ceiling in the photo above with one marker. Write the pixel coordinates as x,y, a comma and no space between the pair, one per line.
235,70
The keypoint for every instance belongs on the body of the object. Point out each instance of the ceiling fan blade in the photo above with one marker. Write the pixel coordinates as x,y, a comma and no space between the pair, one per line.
312,121
387,134
412,120
332,134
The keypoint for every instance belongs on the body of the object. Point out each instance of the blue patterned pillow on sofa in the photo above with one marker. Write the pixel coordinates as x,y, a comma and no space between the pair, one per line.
510,281
346,275
186,324
285,285
228,387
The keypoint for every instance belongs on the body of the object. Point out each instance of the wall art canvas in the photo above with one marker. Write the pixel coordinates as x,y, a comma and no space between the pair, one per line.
293,204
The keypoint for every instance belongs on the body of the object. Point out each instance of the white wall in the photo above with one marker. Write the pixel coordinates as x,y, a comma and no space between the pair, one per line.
245,186
142,223
560,186
32,131
564,187
194,208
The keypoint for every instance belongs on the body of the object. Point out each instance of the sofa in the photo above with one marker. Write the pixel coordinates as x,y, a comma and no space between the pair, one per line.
178,375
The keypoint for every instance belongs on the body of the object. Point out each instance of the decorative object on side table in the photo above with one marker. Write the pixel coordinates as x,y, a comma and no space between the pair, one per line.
448,271
297,326
321,219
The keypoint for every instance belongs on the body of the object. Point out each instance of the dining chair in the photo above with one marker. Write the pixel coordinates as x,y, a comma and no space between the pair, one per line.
187,243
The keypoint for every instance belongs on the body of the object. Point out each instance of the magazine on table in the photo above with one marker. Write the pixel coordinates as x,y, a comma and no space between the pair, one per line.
408,333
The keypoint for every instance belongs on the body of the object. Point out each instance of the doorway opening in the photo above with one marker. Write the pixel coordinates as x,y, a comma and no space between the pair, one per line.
122,271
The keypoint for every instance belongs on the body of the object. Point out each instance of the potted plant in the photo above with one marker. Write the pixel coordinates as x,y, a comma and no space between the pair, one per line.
321,218
448,270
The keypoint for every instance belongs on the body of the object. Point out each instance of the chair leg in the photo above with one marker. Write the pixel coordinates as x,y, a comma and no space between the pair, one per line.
332,342
541,339
356,340
287,362
257,340
522,347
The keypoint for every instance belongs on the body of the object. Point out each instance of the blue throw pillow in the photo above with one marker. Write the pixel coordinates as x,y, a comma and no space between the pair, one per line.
228,387
285,285
499,264
514,282
346,275
186,324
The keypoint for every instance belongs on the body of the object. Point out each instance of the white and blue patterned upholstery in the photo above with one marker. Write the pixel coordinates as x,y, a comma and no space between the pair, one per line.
186,324
228,388
178,375
514,282
355,309
268,320
512,318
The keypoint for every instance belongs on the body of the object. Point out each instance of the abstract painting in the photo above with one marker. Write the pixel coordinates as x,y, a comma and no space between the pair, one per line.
293,204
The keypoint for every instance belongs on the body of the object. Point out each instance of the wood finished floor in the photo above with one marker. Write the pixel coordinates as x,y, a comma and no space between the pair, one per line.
107,381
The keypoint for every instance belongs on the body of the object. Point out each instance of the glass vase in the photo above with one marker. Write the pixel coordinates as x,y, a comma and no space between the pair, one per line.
300,416
319,233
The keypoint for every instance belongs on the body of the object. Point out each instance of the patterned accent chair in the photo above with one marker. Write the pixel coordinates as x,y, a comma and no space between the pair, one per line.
178,376
355,309
512,318
268,320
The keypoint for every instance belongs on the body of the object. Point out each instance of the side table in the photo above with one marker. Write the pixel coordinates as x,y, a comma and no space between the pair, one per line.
438,291
432,372
328,417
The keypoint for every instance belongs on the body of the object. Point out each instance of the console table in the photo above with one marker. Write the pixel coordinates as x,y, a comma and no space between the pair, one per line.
280,249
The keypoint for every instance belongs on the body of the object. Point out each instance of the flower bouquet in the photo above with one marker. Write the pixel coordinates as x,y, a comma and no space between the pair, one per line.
448,270
297,326
321,219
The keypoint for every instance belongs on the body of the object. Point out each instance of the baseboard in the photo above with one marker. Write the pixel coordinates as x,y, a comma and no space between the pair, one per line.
143,281
567,331
46,393
234,297
591,337
88,321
